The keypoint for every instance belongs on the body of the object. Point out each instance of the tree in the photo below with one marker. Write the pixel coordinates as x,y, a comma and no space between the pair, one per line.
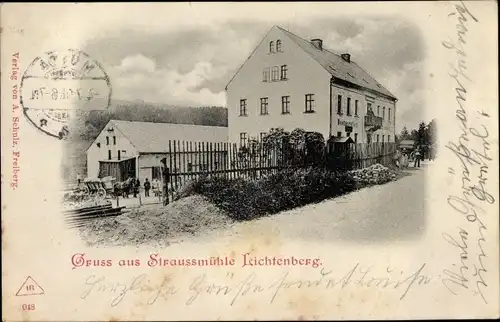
422,134
296,147
432,132
414,135
405,135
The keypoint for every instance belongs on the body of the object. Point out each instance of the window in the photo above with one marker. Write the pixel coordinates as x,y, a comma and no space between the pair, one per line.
309,103
243,139
378,110
262,135
243,107
349,134
114,140
266,74
109,154
278,45
271,47
119,155
348,106
285,104
339,134
389,114
383,112
369,107
339,104
377,138
155,173
356,108
284,71
98,144
189,167
383,138
355,137
263,106
275,73
107,140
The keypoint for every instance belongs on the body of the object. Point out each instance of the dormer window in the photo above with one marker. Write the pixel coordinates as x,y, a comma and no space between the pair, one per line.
271,47
278,45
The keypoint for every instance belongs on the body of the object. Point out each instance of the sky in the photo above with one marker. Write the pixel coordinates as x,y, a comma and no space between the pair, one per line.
190,66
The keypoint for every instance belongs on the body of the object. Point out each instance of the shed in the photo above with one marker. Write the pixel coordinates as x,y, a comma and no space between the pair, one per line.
125,148
407,144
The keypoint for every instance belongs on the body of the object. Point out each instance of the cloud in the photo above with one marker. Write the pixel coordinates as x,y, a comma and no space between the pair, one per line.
192,65
137,77
138,64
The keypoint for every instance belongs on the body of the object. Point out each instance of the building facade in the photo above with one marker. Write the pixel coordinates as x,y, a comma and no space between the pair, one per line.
125,148
290,82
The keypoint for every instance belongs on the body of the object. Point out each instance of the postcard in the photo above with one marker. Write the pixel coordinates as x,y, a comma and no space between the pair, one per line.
249,161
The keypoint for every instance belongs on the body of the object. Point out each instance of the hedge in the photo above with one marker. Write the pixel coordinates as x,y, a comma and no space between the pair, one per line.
245,199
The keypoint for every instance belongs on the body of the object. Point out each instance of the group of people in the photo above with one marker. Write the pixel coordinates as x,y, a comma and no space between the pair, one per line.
148,185
155,185
404,157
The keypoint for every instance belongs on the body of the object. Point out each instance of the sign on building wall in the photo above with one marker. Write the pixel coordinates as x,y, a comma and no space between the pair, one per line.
350,124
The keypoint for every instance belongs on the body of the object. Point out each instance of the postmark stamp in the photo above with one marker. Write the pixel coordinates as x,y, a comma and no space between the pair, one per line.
58,83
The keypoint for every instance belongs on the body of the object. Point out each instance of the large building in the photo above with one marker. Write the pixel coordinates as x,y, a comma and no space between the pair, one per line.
125,148
290,82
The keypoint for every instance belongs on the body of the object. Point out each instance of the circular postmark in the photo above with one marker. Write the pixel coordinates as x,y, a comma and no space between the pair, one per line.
57,84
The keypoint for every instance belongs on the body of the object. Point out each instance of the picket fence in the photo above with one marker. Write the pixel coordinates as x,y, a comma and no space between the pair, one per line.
188,161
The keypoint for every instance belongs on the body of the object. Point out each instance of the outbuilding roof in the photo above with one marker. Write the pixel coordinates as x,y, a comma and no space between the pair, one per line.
345,139
406,143
149,137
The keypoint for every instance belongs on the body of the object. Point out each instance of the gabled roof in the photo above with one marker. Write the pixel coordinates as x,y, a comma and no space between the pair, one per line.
149,137
338,67
346,139
407,143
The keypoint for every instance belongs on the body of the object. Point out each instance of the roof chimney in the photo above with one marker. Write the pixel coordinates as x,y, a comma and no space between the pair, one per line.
318,43
346,57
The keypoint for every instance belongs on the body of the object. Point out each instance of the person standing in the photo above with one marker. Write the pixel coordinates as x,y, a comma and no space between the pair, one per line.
79,179
156,187
136,187
147,186
417,158
397,158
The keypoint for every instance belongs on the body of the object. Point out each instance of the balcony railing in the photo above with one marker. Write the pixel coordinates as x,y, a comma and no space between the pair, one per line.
372,120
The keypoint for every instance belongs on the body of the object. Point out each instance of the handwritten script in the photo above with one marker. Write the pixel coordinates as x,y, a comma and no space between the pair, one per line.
471,151
234,288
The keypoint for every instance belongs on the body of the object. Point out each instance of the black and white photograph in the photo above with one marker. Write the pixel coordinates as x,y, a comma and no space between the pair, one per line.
192,161
268,121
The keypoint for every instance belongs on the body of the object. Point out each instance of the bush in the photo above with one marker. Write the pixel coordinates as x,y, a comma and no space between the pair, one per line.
248,199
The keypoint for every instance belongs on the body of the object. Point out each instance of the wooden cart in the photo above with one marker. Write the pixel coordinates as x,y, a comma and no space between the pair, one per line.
99,187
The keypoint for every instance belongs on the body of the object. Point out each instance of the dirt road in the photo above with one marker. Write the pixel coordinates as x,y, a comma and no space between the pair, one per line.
384,213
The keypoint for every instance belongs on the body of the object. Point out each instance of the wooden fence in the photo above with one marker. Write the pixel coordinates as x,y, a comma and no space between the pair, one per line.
188,161
350,156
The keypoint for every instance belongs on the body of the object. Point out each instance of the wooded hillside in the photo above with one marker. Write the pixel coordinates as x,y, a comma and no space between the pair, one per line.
90,124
